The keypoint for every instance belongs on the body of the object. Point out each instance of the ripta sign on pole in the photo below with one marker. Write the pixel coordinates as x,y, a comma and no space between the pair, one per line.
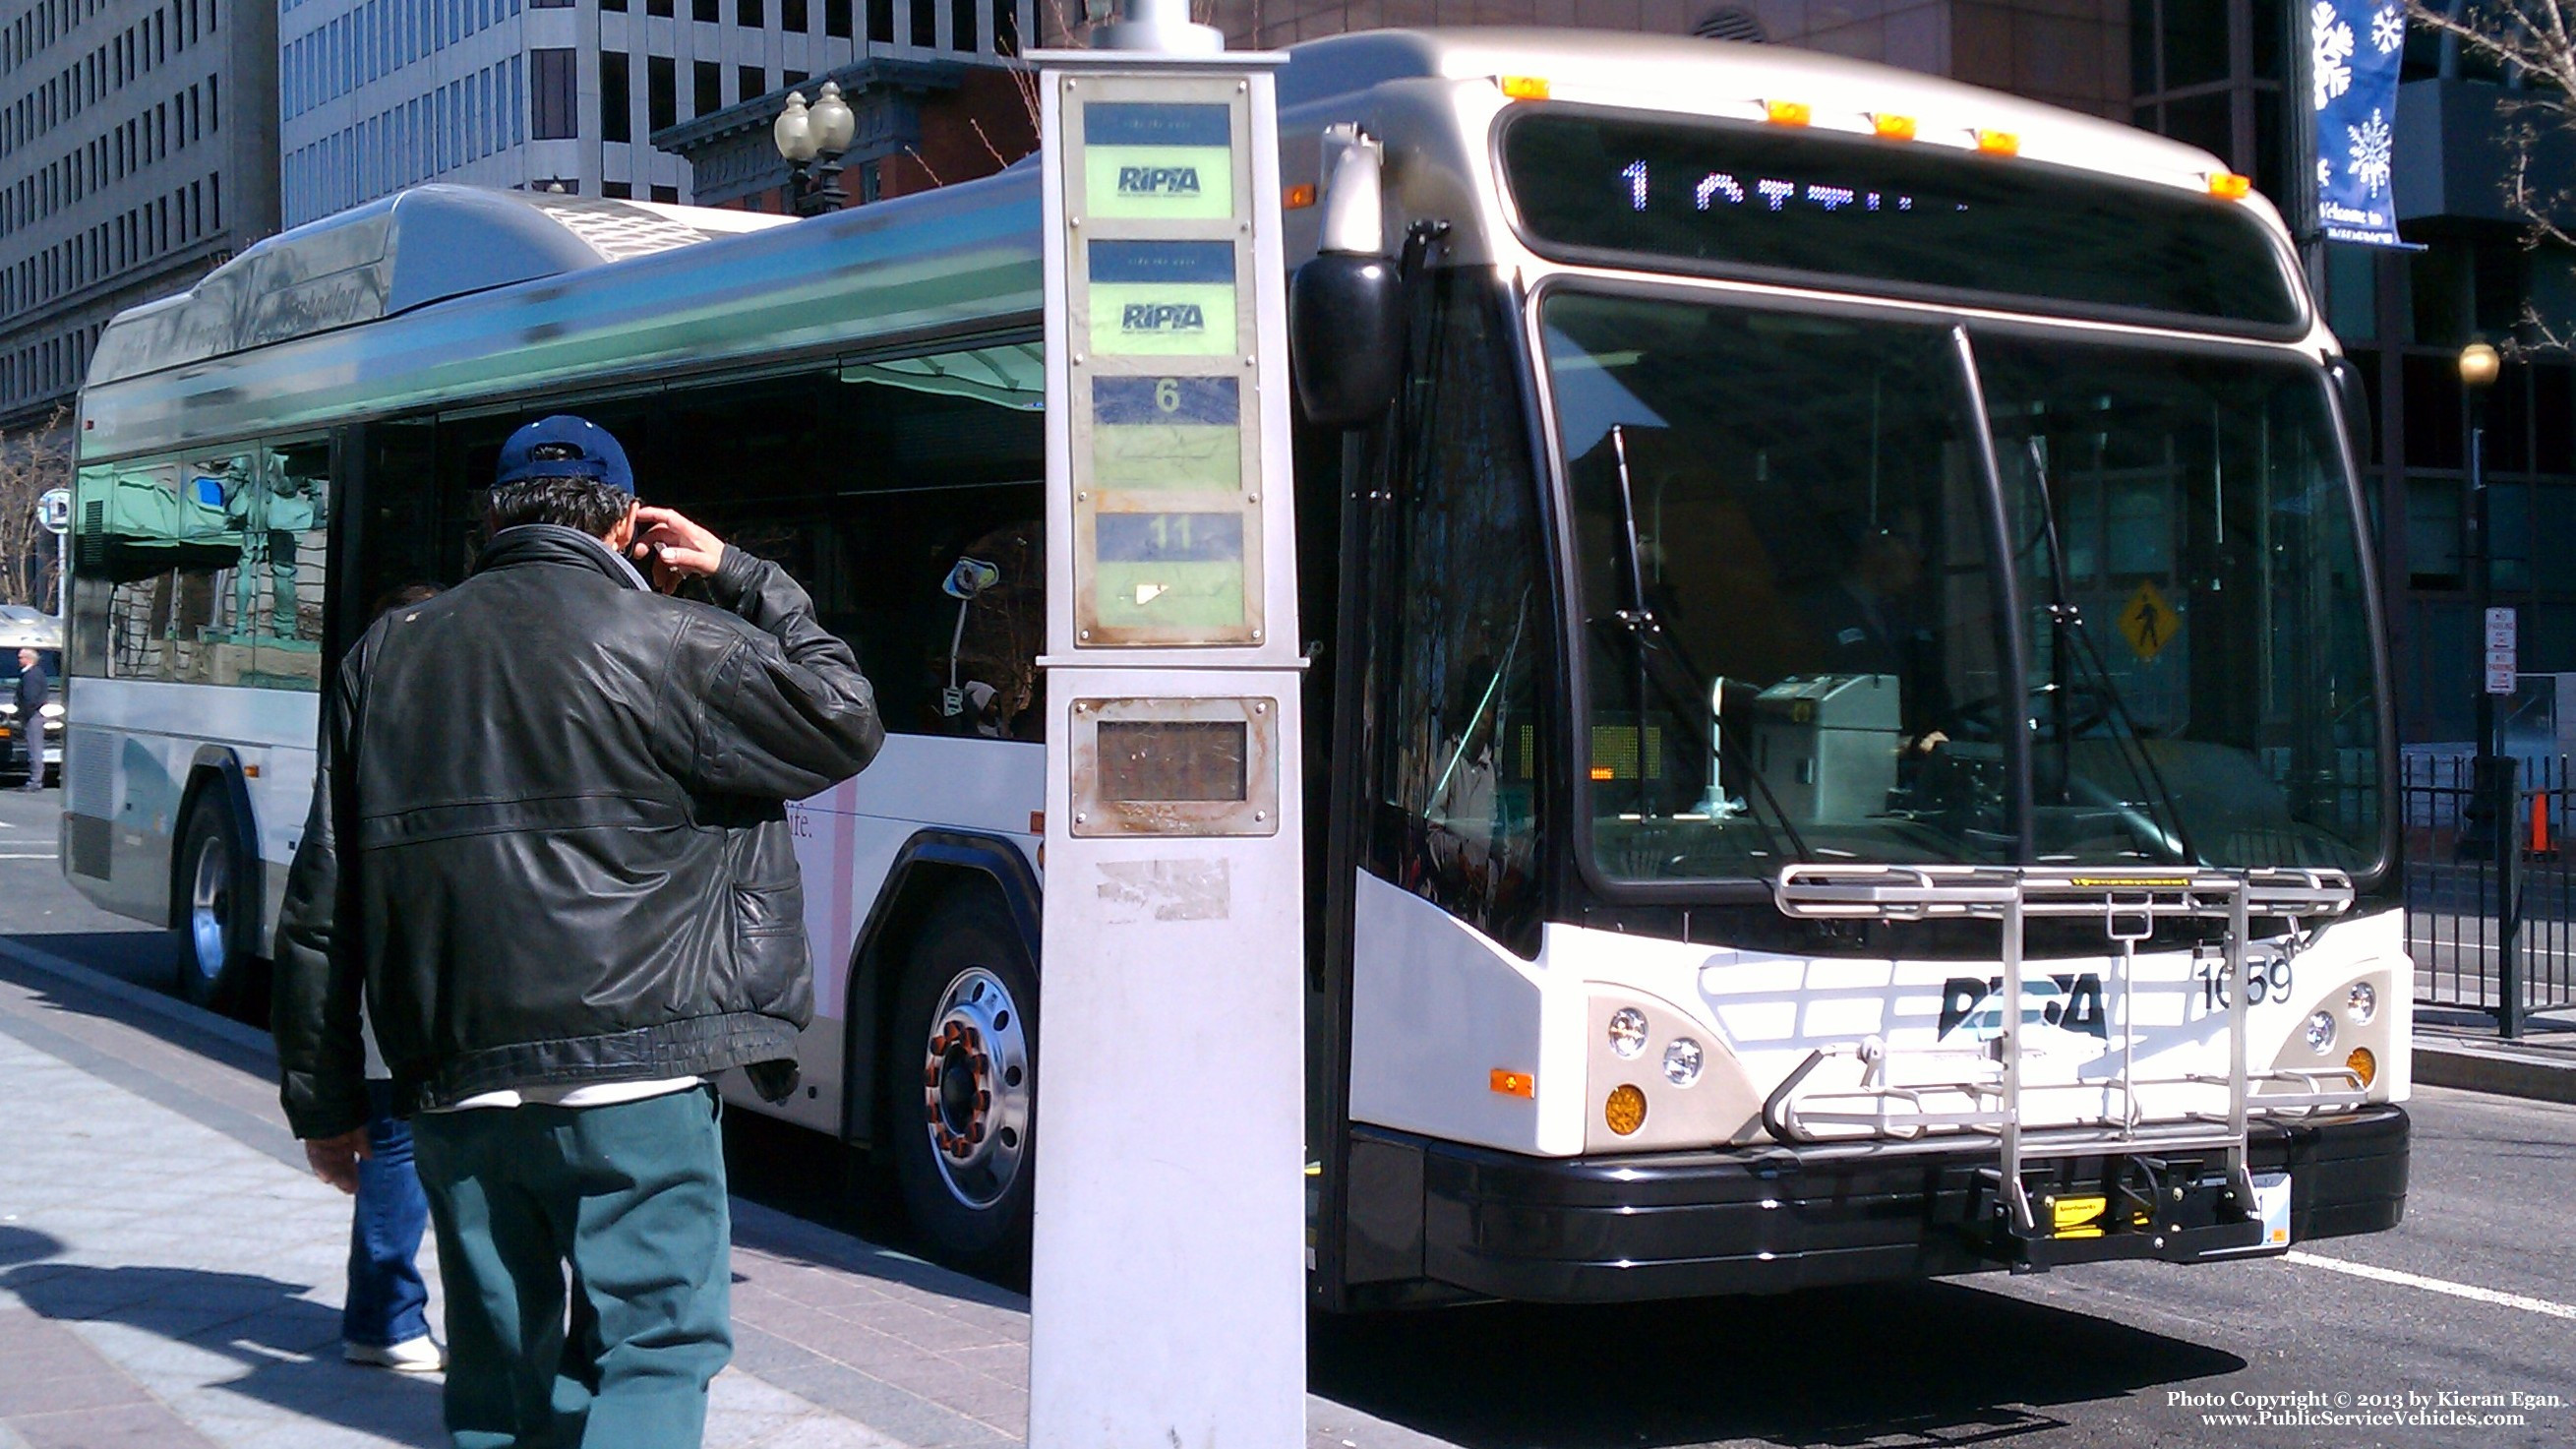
1168,1282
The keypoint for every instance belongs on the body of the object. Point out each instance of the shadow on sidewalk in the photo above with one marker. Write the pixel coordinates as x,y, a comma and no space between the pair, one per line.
289,1345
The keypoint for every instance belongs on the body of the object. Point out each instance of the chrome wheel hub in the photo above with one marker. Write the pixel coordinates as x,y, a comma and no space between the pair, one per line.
210,909
976,1088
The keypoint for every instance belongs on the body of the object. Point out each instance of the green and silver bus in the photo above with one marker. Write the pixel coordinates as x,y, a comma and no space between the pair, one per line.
1848,725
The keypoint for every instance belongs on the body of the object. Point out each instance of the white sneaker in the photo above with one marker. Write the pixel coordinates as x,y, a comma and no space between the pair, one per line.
413,1356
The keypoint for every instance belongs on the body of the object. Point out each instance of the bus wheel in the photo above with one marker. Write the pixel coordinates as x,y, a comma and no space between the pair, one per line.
961,1086
212,963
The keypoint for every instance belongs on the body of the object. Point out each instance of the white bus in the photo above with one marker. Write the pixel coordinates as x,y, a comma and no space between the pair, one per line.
1852,629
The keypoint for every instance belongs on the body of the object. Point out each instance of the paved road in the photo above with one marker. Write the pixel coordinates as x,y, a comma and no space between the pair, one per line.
2475,1295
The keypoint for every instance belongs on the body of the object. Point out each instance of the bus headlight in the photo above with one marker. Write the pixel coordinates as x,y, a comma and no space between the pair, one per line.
8,711
2320,1031
51,710
1627,1031
2361,1003
1682,1061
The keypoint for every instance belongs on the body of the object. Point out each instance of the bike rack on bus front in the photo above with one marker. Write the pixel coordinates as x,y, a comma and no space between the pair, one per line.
2128,902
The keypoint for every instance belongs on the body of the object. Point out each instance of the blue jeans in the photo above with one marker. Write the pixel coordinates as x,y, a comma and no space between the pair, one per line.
386,1294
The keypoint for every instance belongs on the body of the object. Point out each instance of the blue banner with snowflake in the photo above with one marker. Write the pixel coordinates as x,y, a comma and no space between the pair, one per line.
2354,47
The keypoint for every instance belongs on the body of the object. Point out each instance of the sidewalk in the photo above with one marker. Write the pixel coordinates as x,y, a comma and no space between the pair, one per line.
2461,1049
170,1274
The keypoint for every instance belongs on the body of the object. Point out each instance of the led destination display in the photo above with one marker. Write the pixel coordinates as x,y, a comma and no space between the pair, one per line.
1170,570
1158,161
1161,298
1167,432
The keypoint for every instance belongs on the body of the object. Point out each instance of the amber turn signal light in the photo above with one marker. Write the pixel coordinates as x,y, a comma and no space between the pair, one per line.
1625,1111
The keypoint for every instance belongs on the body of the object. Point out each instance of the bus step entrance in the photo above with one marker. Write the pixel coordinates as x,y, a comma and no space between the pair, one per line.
2162,1189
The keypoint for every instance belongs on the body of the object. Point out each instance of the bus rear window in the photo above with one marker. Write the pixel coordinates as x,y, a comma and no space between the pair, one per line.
1877,216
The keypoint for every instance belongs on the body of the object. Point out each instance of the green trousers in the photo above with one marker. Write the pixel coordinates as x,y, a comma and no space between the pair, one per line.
626,1201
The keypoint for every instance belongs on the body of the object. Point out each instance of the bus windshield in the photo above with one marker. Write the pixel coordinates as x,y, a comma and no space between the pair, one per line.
1793,601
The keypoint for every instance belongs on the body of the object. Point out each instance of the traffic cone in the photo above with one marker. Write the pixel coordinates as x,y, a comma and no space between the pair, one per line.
2540,848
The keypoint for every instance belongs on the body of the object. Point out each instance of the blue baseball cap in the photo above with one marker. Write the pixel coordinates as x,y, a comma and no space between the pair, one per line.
564,446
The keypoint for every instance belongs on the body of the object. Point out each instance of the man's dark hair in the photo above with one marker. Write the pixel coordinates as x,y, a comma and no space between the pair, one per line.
402,597
584,503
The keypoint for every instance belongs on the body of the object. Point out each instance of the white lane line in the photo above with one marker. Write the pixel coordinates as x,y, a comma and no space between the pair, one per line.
2435,1285
30,855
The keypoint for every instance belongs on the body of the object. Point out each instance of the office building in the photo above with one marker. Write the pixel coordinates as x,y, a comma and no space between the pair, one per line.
138,150
376,95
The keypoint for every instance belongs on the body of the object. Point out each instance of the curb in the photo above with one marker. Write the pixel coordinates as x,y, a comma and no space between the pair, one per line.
2496,1072
168,1008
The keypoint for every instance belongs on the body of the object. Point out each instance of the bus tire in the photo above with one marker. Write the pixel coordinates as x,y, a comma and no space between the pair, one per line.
961,1085
208,900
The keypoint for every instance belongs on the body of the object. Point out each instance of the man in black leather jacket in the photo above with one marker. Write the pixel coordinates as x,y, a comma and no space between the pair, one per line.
549,850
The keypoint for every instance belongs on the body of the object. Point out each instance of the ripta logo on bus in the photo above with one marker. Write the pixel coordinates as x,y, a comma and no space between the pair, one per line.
2070,1002
1158,181
1162,317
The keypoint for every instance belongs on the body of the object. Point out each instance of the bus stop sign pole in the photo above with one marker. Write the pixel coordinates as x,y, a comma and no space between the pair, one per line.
1168,1284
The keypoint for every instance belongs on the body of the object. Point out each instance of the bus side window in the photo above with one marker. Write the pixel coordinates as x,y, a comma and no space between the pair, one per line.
280,583
1461,734
161,541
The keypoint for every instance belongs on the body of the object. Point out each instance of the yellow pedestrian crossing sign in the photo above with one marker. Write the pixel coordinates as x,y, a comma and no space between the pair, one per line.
2148,622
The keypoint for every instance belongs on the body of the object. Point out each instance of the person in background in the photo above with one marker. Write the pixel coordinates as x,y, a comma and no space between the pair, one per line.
34,693
550,808
385,1322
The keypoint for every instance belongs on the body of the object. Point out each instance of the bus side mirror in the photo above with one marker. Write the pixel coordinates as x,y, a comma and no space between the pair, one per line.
2354,395
1345,308
1345,338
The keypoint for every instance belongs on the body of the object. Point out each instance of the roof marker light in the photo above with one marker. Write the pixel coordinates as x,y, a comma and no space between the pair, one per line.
1999,143
1787,113
2228,186
1892,127
1524,87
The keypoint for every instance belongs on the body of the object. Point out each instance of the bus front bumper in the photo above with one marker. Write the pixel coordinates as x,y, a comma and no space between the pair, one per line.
1753,1220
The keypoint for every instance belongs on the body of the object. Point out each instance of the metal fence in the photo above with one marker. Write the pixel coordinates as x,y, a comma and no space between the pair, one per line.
2490,892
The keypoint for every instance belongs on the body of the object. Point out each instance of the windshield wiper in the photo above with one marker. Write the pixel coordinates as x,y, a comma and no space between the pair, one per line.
2066,626
1645,643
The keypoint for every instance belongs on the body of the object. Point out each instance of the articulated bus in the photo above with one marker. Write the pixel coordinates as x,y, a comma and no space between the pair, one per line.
1849,735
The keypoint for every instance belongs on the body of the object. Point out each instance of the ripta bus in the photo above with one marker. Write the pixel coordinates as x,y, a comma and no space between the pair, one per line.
1849,734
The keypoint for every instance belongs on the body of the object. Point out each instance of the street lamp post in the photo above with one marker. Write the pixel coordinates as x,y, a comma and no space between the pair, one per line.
2478,367
2494,790
805,136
